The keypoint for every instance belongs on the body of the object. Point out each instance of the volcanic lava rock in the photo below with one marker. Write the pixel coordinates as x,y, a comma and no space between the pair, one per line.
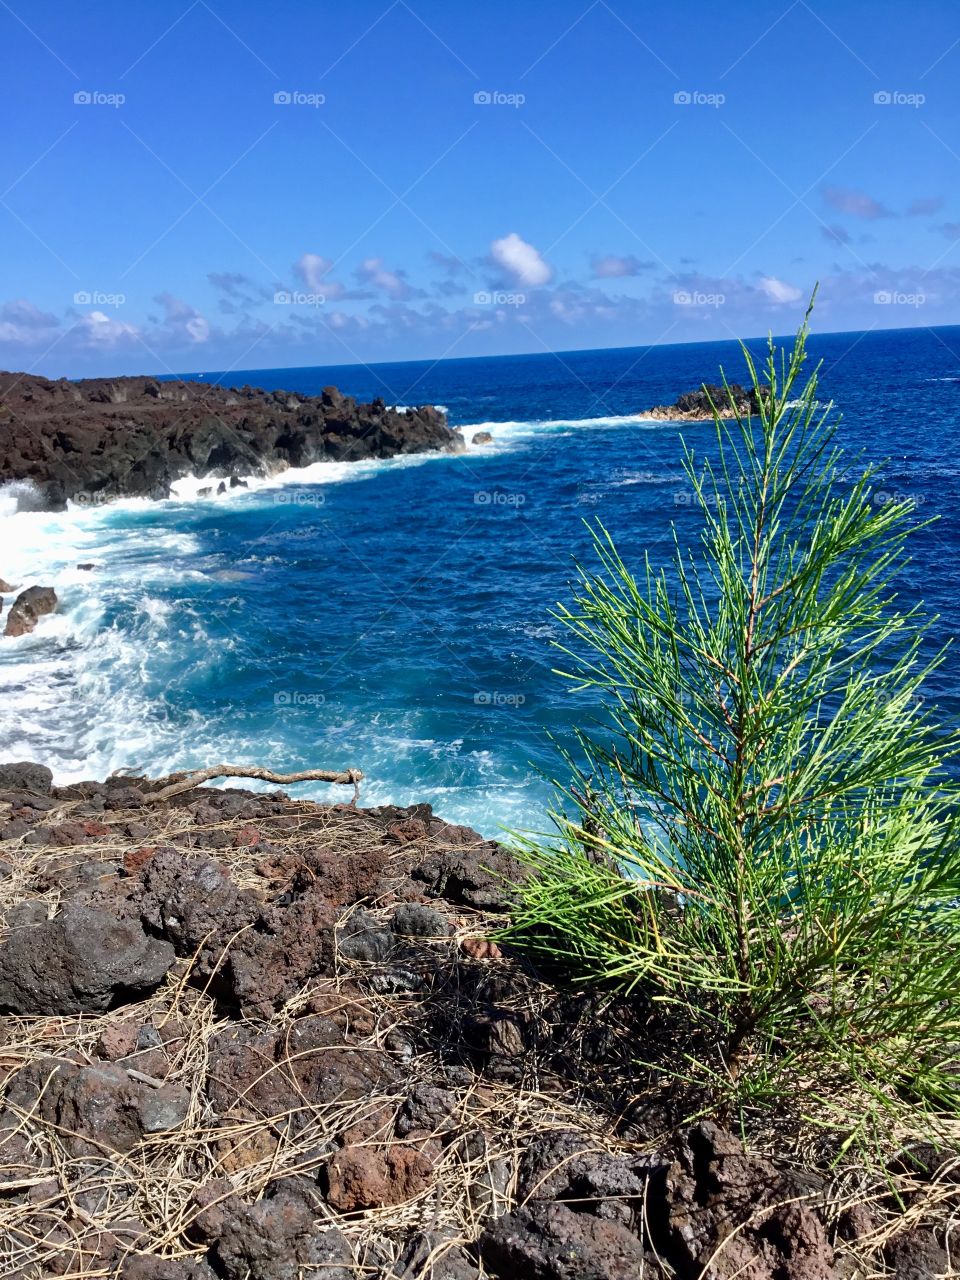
916,1255
551,1242
695,406
434,1256
98,438
715,1194
361,1177
83,961
470,872
26,776
145,1266
28,608
273,1239
411,920
562,1166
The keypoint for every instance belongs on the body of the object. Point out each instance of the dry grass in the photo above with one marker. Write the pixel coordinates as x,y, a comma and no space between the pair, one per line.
57,1207
59,1214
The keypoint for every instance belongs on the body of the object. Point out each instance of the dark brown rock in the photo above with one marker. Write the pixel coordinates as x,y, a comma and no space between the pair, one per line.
274,1239
99,1109
365,1178
435,1255
28,608
142,1266
84,961
25,776
98,439
917,1255
697,406
551,1242
723,1212
471,872
253,1075
563,1166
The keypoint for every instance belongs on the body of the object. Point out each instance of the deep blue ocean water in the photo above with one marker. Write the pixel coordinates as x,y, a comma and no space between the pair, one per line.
396,616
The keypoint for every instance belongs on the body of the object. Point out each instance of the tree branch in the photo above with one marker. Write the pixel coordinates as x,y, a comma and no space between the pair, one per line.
178,783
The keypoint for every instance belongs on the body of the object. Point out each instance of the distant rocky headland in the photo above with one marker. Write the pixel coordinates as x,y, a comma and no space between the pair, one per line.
697,406
103,438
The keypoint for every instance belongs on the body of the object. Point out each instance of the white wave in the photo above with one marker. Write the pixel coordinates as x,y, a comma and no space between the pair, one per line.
507,431
19,495
84,692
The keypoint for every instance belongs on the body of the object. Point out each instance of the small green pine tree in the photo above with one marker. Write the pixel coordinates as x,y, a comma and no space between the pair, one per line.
762,841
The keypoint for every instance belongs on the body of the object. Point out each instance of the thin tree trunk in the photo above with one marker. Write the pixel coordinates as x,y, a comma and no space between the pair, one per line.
178,783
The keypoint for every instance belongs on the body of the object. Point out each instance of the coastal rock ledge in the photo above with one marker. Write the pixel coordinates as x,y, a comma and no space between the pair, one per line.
698,406
98,439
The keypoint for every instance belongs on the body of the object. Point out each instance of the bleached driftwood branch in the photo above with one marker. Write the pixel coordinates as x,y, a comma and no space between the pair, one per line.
180,782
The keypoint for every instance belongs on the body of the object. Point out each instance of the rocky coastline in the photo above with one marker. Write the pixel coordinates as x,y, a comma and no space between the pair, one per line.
247,1037
97,439
698,406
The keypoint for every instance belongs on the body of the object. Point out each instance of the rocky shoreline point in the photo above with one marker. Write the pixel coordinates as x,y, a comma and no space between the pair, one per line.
99,438
697,406
247,1037
27,609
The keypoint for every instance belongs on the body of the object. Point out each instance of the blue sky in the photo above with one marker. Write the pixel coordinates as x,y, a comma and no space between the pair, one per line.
206,186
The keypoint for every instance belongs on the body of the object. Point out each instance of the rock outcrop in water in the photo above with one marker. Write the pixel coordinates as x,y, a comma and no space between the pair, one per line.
254,1038
101,438
695,406
28,608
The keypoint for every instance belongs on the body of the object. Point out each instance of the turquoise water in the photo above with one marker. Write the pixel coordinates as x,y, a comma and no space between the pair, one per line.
396,616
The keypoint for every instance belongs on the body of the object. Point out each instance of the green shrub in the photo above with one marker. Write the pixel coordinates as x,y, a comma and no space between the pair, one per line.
761,839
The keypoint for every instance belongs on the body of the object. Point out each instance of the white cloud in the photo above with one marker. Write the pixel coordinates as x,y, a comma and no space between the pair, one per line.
198,329
855,203
779,291
612,267
183,320
393,283
97,329
311,269
22,323
521,260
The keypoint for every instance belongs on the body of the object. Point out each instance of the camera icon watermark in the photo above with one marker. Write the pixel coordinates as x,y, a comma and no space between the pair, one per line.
695,98
498,298
495,98
97,298
97,98
694,298
885,496
298,498
298,698
895,98
494,698
297,98
84,498
496,498
294,298
893,298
